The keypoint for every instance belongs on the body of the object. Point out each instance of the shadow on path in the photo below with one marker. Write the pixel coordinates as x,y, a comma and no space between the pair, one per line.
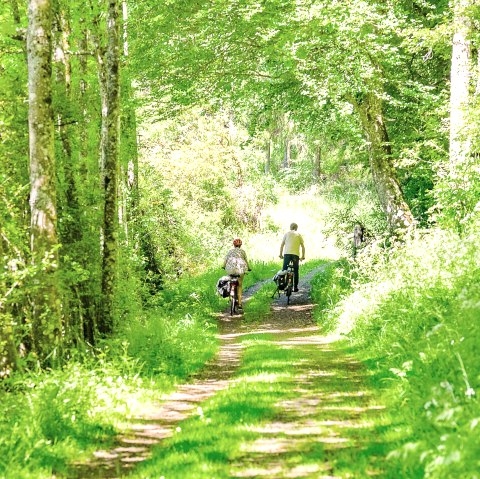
327,425
161,420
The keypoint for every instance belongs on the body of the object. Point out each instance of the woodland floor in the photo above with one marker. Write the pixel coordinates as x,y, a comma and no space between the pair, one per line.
333,409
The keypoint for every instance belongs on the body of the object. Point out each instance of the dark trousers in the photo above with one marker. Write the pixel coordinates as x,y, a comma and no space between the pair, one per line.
295,259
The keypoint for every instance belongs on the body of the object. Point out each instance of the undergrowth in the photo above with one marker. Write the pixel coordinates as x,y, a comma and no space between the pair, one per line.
413,310
53,417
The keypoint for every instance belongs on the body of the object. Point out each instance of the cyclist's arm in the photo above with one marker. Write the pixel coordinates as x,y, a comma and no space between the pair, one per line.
303,249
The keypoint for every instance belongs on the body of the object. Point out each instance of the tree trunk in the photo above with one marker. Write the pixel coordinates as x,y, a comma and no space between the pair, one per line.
460,84
130,154
286,154
46,321
388,188
110,161
477,85
62,73
87,304
129,130
70,232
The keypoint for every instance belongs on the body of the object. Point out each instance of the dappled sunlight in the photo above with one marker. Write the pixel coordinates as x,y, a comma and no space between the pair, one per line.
263,377
292,307
331,408
271,446
290,398
268,328
296,472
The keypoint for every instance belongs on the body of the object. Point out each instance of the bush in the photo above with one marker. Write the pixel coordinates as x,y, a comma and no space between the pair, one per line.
415,312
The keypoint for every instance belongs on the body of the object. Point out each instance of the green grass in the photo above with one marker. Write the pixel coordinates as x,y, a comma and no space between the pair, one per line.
290,408
328,288
53,417
412,312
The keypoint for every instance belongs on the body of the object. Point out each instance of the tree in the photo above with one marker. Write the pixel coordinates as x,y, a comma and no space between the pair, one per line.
306,61
460,77
457,189
110,155
385,178
46,321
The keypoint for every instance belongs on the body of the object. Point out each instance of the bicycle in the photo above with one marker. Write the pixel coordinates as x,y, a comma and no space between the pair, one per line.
233,287
284,280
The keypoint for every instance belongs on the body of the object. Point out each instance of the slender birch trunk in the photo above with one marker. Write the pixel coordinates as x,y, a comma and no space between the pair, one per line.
68,198
460,75
62,75
286,154
317,169
268,155
110,160
130,148
87,305
46,321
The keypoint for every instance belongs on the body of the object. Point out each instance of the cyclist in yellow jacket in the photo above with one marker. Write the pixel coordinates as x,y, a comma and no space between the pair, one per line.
290,251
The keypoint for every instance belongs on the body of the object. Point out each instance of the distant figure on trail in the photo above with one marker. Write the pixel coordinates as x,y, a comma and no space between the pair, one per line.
358,237
236,263
291,243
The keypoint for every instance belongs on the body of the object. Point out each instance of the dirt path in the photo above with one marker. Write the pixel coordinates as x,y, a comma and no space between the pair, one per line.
330,429
160,422
345,409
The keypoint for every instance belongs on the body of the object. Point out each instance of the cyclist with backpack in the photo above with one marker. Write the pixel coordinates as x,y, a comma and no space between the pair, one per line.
290,247
236,263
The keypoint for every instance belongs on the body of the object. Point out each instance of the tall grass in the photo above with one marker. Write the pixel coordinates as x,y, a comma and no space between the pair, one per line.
414,311
49,418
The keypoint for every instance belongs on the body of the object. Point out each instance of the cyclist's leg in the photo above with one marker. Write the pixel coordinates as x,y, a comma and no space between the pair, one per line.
233,293
296,261
240,290
286,260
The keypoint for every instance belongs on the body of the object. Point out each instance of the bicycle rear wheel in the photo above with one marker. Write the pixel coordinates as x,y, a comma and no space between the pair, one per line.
233,301
288,292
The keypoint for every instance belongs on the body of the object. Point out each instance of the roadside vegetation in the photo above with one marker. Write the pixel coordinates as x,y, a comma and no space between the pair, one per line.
411,312
52,417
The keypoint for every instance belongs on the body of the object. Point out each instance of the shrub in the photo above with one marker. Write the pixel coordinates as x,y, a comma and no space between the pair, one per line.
414,309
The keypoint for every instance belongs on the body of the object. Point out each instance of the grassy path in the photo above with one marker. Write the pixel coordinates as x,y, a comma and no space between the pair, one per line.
281,401
326,422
